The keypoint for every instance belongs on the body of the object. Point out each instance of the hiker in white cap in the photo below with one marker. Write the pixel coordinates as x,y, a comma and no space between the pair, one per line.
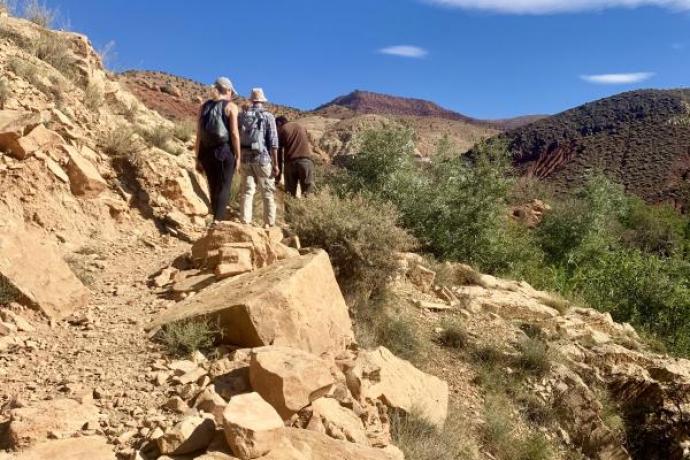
259,139
217,149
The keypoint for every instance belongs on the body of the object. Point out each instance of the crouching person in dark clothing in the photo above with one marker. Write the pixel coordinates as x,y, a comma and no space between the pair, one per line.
295,157
218,150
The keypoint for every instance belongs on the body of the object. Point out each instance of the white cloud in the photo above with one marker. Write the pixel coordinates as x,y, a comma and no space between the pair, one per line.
557,6
406,51
618,78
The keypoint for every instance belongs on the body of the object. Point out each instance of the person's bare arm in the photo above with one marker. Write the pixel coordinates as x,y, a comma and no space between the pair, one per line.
276,167
233,112
197,144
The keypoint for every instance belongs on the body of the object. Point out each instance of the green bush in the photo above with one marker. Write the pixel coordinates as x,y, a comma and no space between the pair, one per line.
185,337
535,357
359,234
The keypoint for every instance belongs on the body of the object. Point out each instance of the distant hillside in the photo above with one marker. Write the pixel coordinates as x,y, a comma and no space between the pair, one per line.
176,98
366,102
640,139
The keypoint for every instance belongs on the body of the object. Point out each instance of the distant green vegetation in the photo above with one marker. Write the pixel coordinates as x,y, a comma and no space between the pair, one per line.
598,246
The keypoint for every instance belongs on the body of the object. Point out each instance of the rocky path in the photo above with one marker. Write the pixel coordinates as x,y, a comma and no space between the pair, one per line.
102,351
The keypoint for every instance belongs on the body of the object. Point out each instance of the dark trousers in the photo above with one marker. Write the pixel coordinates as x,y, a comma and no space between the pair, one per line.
219,166
299,171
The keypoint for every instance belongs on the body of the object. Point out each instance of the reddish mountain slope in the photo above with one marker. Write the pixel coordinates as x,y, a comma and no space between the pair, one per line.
361,102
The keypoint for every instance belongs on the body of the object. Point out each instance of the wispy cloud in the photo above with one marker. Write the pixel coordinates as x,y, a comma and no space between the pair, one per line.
678,46
406,51
557,6
617,78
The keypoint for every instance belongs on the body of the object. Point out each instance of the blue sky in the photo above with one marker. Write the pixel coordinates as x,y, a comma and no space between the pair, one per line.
484,58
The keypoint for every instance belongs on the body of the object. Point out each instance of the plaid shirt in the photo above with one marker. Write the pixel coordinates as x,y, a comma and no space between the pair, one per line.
271,138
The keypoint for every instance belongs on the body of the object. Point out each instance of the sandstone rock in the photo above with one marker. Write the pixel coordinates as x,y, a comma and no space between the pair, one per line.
40,138
295,303
422,277
31,263
85,180
289,379
308,445
91,448
192,434
379,374
57,170
339,422
252,426
60,416
13,126
232,234
212,403
233,261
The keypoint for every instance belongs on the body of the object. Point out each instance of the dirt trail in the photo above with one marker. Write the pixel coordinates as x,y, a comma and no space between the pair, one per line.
102,350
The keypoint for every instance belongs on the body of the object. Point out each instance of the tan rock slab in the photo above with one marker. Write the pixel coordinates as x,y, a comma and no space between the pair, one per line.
85,180
32,264
40,138
252,426
32,424
308,445
289,379
14,124
231,234
339,422
211,402
294,303
422,277
379,374
91,448
193,434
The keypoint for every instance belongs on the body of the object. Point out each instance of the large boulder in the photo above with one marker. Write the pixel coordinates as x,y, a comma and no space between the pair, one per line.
13,126
309,445
378,374
59,417
91,448
84,178
252,426
289,379
31,264
294,303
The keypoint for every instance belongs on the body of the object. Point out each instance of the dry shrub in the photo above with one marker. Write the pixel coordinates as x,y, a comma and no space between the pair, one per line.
535,357
185,337
93,97
420,440
454,334
39,13
119,142
359,234
4,93
55,51
184,130
80,268
8,293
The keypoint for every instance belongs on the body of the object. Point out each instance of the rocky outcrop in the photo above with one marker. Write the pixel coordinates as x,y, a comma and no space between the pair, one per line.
32,266
84,178
380,375
14,125
295,303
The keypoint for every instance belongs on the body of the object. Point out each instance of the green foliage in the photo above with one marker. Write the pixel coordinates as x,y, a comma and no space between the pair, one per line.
184,337
503,441
535,357
359,235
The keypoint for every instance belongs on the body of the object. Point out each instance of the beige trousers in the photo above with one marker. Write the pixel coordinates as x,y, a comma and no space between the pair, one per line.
253,175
